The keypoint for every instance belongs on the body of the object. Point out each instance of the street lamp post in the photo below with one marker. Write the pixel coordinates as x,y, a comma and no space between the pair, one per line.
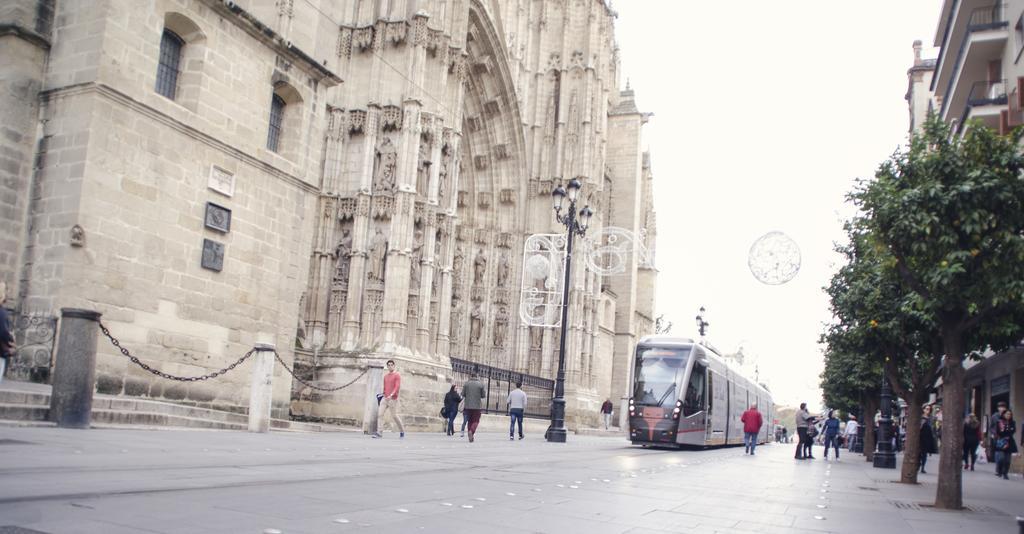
885,458
702,325
575,224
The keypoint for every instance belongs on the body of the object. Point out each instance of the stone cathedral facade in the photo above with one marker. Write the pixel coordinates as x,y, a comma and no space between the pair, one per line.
352,180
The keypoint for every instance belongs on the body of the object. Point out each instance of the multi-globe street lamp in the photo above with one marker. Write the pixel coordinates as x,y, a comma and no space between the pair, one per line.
702,325
576,225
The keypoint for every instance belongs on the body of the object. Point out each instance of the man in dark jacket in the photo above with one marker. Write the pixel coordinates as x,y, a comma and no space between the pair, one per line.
606,413
472,395
6,338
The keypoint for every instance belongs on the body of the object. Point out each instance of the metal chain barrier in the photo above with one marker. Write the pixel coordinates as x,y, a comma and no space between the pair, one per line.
307,384
162,374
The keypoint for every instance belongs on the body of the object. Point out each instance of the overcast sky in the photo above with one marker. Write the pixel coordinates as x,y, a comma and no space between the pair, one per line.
765,112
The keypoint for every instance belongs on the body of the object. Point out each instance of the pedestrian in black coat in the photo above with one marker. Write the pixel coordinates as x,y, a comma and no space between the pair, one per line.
927,437
1005,445
451,408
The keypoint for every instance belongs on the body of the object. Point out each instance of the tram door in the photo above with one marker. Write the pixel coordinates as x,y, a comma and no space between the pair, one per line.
693,423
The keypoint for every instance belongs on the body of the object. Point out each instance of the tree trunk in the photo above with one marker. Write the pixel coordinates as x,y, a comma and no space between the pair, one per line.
871,403
949,494
912,450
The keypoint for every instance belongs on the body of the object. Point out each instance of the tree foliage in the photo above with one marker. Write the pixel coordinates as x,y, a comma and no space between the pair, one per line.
945,218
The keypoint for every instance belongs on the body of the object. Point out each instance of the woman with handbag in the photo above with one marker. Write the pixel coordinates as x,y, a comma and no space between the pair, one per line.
1005,446
451,409
927,437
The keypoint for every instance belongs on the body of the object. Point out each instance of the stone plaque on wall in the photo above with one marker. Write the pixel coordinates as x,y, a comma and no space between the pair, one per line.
221,181
217,218
213,255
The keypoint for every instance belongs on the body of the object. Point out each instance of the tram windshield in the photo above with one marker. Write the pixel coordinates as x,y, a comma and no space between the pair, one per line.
658,374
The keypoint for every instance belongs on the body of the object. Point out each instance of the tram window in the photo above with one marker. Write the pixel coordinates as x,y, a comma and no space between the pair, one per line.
694,400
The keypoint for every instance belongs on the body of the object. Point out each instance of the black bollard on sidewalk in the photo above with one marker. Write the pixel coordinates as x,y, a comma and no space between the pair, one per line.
74,373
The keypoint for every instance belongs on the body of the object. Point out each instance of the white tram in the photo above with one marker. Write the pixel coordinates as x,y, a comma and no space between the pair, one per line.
685,394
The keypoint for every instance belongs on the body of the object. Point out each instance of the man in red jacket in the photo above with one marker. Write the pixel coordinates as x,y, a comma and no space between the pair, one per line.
751,420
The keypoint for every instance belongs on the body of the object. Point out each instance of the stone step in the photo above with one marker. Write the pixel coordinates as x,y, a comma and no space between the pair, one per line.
23,412
19,405
24,397
121,417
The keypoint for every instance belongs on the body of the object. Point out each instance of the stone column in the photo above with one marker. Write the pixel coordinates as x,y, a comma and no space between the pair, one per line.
74,374
357,273
374,385
426,283
261,388
444,300
360,228
396,278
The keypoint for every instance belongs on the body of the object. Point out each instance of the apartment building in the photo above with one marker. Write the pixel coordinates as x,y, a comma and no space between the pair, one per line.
978,74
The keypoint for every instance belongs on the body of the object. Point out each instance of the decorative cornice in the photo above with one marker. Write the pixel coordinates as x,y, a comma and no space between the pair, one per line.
272,39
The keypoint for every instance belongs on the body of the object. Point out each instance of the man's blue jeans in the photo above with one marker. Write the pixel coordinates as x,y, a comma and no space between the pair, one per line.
750,441
517,416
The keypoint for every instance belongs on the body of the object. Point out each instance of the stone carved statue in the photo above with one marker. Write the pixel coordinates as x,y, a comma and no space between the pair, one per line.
476,324
423,168
415,258
500,328
479,267
455,329
341,254
442,176
457,266
504,268
536,338
377,256
385,167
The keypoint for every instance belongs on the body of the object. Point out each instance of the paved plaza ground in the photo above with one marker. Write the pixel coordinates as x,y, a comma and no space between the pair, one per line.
116,481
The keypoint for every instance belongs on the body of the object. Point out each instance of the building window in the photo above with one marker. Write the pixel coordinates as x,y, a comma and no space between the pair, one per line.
170,59
276,118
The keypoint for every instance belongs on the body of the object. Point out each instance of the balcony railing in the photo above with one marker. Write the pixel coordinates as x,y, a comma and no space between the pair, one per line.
986,18
990,93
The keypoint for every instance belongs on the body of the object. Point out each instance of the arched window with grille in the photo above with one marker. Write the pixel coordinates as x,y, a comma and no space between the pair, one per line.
277,105
169,66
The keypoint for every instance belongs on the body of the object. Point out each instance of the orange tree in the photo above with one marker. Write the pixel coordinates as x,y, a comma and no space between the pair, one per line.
950,211
876,319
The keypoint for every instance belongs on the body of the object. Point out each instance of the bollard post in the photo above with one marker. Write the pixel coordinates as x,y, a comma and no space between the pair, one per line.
624,414
74,373
374,385
261,390
1020,525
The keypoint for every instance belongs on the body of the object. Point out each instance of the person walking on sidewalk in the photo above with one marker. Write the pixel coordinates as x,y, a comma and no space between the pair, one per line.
752,422
1005,445
927,437
850,433
802,417
472,396
451,409
831,428
993,421
972,437
6,339
389,404
606,413
516,402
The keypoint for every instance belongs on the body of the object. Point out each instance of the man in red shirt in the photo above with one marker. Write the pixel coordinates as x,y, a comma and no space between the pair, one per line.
751,420
389,404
